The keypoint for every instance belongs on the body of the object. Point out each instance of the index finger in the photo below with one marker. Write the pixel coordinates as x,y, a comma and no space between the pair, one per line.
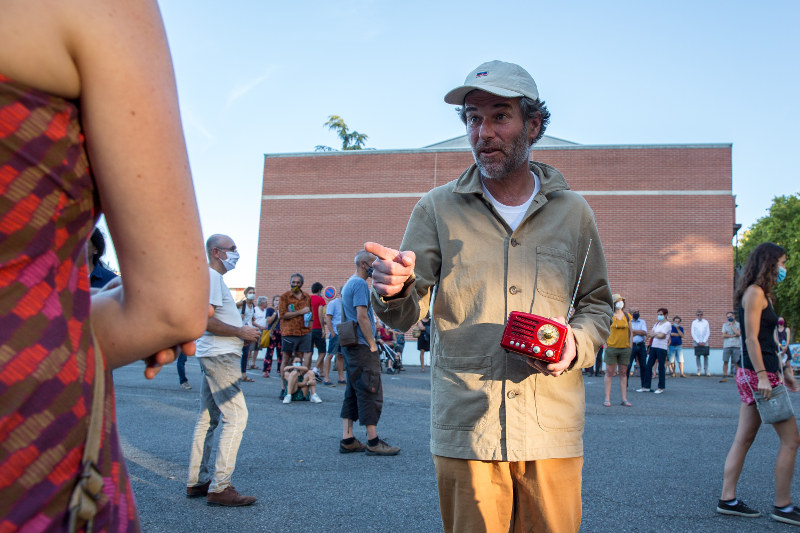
387,254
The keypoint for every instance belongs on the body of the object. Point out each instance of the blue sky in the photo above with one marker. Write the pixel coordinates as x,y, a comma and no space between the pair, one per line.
258,77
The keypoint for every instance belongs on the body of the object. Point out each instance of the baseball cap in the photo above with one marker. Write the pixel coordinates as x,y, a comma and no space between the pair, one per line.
496,77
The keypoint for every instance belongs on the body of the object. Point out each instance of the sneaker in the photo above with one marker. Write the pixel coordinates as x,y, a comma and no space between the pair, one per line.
198,490
787,517
643,390
708,374
698,372
355,446
382,448
185,386
315,399
229,498
287,398
740,509
317,376
659,391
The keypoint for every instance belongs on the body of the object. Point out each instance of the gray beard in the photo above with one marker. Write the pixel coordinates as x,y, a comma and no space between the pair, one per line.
520,155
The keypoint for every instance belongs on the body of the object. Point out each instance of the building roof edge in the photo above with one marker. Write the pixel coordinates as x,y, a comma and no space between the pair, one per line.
535,148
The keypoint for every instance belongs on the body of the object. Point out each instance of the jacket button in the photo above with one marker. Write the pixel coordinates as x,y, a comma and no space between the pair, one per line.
511,394
513,289
514,242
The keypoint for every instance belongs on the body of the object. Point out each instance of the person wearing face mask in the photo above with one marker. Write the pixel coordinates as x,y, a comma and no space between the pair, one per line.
658,352
618,351
295,312
676,346
363,395
638,349
219,351
762,369
783,335
247,307
731,345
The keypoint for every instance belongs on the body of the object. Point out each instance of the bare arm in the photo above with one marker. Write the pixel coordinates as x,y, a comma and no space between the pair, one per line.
754,302
138,155
366,327
218,327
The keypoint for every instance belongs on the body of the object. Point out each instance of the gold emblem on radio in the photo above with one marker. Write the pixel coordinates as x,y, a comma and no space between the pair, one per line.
548,335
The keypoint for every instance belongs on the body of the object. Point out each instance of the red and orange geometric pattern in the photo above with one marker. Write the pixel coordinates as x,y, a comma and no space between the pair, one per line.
48,206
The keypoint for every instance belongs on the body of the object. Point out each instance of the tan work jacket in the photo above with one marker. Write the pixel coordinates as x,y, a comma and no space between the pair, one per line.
488,404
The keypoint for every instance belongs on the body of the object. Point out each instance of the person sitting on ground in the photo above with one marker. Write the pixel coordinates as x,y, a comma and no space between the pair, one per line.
301,384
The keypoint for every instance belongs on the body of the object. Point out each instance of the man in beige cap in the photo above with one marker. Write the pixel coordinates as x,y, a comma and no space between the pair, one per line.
507,235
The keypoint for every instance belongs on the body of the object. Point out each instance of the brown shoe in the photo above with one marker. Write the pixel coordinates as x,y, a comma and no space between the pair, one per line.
229,498
198,490
382,448
355,446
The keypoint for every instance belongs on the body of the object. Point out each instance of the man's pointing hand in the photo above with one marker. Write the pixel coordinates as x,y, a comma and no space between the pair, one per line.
391,269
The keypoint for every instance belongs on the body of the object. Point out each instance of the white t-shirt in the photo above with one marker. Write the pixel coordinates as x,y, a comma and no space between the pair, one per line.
664,327
248,312
513,214
260,316
210,345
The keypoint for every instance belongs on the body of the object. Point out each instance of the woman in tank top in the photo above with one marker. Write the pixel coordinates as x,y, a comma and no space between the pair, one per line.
760,370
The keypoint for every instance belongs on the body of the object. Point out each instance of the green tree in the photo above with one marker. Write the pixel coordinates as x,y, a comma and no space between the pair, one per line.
781,226
351,140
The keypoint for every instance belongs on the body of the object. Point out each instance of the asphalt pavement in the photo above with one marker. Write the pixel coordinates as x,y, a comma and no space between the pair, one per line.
653,467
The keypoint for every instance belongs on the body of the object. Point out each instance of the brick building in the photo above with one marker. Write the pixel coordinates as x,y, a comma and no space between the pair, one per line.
665,214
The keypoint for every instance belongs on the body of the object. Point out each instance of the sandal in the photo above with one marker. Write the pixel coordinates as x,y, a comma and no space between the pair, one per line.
626,403
248,378
606,403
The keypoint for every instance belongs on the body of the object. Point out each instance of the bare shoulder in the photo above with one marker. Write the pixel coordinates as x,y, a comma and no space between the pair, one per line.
754,297
46,43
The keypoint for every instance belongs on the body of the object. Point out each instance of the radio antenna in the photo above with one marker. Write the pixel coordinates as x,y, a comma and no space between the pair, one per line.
572,303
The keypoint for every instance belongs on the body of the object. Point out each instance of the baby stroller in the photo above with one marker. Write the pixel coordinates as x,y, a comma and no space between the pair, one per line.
387,354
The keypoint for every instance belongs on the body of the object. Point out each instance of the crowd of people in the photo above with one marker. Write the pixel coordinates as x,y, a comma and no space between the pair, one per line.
506,430
631,350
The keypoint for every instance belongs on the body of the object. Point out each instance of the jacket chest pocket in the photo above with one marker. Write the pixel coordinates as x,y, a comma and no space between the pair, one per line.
554,268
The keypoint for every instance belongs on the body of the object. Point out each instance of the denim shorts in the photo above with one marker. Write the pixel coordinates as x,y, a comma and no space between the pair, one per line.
333,345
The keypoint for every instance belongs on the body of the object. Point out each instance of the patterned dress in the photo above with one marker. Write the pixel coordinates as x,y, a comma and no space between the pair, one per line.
48,206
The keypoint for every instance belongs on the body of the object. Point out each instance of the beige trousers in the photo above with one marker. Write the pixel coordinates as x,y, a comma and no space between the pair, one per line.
509,497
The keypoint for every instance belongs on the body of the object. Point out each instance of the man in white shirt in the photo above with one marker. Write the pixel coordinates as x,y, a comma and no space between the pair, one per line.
219,353
700,333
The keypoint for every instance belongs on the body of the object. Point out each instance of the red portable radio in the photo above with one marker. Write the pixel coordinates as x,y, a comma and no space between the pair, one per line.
536,336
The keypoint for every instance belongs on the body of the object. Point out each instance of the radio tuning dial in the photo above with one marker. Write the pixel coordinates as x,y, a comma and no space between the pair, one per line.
548,335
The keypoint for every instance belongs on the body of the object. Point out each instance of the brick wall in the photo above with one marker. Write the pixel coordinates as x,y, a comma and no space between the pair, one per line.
671,250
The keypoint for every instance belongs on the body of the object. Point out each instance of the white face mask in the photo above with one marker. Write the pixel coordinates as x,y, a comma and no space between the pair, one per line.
230,262
620,304
250,296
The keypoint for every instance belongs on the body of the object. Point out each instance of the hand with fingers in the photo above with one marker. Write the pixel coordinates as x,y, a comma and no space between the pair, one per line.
166,356
391,270
568,354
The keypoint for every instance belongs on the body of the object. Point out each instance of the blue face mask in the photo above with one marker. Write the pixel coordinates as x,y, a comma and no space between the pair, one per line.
730,319
781,274
660,318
